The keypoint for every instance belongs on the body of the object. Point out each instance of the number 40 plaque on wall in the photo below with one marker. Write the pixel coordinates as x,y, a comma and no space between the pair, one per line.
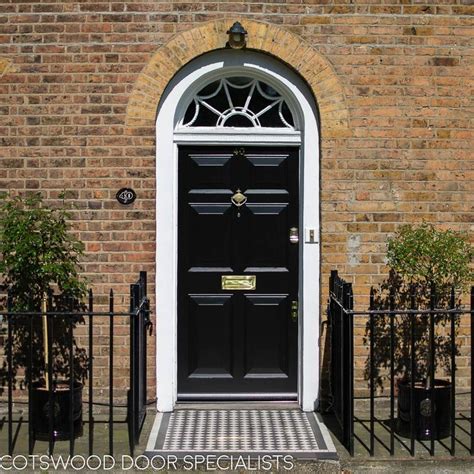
126,196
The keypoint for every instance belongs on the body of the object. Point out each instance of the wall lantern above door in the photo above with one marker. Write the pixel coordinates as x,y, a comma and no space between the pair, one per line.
236,36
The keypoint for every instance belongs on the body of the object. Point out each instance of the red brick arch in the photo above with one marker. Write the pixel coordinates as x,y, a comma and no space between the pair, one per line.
284,45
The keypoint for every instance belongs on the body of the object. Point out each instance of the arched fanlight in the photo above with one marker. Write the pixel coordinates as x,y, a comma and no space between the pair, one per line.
238,101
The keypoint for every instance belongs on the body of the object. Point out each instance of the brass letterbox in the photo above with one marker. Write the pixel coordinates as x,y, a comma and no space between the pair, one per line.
239,282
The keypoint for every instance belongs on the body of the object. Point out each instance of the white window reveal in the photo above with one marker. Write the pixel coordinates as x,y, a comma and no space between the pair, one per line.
238,102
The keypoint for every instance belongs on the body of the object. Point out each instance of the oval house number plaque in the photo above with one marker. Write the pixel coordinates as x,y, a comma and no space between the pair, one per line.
126,196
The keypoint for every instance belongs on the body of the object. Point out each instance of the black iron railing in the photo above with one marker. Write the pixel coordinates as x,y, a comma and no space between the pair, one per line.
138,322
382,322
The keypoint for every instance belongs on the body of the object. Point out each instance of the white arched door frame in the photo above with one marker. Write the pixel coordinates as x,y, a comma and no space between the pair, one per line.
169,135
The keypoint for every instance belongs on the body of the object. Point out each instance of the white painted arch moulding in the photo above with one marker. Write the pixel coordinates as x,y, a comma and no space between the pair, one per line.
174,101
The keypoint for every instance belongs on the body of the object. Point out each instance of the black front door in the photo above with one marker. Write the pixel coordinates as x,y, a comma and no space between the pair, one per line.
237,336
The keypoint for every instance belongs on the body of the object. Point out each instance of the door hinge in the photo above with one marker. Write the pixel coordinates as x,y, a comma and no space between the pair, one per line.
294,311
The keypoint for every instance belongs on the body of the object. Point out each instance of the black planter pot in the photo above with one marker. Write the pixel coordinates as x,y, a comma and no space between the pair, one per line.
422,411
61,411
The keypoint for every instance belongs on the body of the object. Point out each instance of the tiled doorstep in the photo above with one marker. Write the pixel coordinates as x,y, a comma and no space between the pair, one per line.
248,432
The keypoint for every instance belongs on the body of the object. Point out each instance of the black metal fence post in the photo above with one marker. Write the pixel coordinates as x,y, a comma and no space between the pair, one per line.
472,370
432,367
412,317
349,343
49,375
452,410
71,387
337,382
30,386
10,373
143,342
372,371
111,373
91,372
341,339
131,408
392,372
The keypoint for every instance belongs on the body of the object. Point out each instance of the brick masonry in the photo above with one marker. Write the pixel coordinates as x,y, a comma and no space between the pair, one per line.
80,83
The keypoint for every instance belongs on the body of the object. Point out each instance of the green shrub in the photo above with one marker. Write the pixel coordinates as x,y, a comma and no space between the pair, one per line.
423,261
423,255
39,256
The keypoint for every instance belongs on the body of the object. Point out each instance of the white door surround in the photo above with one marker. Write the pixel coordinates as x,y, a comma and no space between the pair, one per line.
169,134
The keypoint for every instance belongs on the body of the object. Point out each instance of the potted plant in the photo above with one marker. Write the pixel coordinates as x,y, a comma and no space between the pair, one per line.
39,261
425,264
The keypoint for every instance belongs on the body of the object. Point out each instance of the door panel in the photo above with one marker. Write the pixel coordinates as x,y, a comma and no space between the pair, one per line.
266,338
207,354
268,235
234,342
210,170
211,225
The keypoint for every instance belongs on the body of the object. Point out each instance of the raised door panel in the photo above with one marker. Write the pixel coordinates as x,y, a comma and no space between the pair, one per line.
210,228
268,170
266,336
267,235
210,170
209,356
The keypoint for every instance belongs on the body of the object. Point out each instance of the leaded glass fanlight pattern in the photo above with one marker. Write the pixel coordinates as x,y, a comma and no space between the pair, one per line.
238,102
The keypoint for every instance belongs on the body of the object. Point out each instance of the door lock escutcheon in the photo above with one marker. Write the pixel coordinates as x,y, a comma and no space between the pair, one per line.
294,311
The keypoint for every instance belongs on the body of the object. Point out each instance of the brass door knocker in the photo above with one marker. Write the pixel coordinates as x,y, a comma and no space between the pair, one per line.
238,200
